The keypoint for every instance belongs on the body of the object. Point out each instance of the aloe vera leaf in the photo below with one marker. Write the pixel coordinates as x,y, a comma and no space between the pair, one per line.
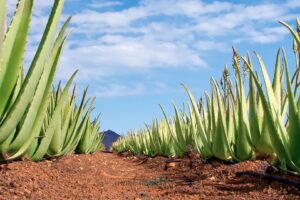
33,76
2,22
206,145
13,50
45,141
42,92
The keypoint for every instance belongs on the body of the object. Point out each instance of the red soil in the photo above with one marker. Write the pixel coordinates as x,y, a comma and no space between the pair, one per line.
109,176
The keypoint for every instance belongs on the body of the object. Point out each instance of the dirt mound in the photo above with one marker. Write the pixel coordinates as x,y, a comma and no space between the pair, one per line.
109,176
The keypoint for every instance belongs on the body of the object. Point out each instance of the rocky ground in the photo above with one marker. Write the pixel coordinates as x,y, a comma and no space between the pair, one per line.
111,176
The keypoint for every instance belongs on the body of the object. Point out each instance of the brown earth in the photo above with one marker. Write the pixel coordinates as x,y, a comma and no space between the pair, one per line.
109,176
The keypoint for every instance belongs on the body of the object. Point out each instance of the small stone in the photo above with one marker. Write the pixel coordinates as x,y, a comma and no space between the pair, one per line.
171,165
13,184
142,194
27,191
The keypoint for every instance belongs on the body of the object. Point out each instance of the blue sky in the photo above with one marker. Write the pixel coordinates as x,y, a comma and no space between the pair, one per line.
135,54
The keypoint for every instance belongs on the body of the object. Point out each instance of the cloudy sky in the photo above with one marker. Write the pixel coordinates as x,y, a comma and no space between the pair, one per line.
134,54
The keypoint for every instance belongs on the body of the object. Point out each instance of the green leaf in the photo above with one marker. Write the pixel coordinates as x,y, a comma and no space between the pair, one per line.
11,57
33,76
45,141
41,97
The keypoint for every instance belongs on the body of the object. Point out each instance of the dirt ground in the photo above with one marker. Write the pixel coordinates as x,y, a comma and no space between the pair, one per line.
110,176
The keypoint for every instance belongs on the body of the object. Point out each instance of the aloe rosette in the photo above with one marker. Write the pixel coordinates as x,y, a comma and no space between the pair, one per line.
235,121
26,98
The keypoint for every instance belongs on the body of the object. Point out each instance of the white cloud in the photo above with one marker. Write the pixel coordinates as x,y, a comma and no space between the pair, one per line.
118,90
111,19
240,16
145,36
266,35
293,3
207,45
157,34
117,54
105,4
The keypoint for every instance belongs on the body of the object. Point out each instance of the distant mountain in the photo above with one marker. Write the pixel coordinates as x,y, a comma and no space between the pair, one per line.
109,138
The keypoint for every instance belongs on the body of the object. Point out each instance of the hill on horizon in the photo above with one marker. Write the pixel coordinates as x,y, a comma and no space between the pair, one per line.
109,138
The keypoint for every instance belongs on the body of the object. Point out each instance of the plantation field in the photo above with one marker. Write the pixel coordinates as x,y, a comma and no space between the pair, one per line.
238,140
111,176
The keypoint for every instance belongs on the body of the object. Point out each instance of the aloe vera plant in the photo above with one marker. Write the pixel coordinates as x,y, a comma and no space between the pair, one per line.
70,122
34,89
283,127
153,140
26,126
236,121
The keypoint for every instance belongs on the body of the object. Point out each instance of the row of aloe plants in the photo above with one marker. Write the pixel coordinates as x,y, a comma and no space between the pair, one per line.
37,120
240,119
